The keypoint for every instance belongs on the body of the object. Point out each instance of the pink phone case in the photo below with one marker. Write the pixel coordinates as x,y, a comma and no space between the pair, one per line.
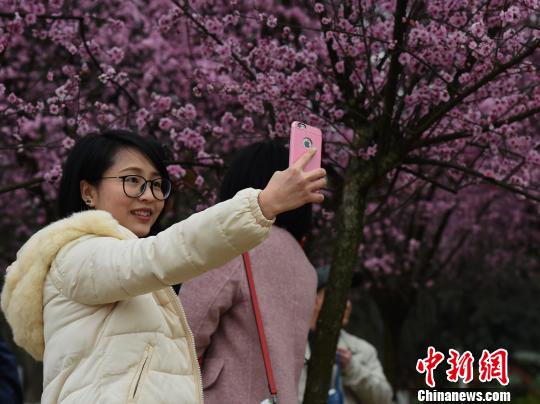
303,137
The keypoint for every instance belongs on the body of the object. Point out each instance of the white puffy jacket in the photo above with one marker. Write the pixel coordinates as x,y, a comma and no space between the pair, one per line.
92,300
363,380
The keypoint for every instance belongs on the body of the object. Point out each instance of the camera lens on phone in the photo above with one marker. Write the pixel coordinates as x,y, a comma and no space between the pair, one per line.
301,125
308,143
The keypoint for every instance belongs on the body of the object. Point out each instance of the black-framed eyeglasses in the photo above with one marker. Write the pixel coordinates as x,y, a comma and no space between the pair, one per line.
135,185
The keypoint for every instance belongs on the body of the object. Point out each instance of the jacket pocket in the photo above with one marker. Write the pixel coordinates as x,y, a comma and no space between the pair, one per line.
211,370
140,374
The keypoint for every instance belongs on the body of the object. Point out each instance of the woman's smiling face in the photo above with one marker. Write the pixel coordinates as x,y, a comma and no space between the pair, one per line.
136,214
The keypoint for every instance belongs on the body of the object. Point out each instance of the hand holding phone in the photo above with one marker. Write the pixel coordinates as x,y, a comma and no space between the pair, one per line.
305,137
302,181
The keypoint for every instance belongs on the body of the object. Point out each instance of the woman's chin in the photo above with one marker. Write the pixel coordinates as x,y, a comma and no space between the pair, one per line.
140,229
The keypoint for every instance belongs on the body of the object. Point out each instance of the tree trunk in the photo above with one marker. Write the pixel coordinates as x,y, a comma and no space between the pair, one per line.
324,343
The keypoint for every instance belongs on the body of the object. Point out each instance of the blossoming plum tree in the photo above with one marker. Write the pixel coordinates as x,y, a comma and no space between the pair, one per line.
409,94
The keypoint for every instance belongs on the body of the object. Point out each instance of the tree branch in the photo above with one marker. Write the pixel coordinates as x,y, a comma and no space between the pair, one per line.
432,181
387,193
482,211
473,173
26,184
439,139
188,164
464,134
410,199
426,256
49,17
82,32
342,80
518,117
434,115
395,67
186,10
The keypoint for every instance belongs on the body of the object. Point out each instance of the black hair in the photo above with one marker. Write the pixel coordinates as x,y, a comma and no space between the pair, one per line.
252,168
92,155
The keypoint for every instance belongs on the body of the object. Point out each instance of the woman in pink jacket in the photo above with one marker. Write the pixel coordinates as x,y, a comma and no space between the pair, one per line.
218,305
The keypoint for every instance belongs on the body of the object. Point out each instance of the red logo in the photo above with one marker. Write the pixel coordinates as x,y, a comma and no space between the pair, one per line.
491,366
494,366
461,366
429,364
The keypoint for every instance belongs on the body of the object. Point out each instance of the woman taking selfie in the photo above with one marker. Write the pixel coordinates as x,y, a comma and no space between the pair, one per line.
89,294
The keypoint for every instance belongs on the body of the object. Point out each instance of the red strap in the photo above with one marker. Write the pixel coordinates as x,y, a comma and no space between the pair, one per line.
260,326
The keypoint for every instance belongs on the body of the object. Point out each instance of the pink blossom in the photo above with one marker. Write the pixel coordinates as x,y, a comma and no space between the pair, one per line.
199,181
404,58
12,98
511,15
142,117
247,124
227,119
30,19
191,139
218,131
165,124
54,109
190,112
271,21
338,114
161,103
176,171
116,55
68,143
16,26
340,66
54,174
56,4
478,29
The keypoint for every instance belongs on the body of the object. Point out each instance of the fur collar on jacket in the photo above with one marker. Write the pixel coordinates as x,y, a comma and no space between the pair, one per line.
22,295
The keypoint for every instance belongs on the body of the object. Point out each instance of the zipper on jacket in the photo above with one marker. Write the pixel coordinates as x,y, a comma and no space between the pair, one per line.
140,374
145,364
182,316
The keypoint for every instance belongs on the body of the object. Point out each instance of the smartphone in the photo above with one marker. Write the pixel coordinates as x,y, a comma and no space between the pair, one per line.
304,137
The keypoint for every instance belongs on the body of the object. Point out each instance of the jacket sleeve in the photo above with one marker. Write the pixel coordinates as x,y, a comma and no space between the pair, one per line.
364,375
99,270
